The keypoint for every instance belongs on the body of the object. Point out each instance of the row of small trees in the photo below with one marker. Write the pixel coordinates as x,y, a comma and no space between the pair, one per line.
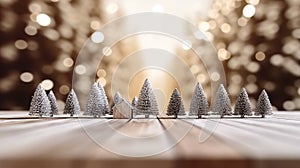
97,104
222,105
45,105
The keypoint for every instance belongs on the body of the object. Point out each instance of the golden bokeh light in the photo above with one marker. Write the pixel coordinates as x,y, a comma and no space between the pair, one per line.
26,77
47,84
43,19
249,11
68,62
64,89
225,27
101,73
260,56
21,44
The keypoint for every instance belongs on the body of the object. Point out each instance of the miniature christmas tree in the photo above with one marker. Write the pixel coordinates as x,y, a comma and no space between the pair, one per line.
174,104
104,99
199,104
263,105
242,105
134,101
40,104
54,107
72,105
117,99
154,107
144,101
95,105
182,109
222,104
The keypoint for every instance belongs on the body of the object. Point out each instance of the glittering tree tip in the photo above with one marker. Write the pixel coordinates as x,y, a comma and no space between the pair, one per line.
95,105
72,106
175,106
147,104
199,105
40,104
222,104
242,105
263,105
53,103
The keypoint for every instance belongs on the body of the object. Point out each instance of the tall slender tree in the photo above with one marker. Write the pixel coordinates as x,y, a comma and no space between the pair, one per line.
72,105
54,107
104,99
144,101
174,104
242,105
222,104
40,104
117,99
263,105
95,105
182,109
199,104
134,101
154,106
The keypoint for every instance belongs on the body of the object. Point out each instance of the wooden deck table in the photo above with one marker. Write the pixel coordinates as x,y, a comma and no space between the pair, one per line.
272,142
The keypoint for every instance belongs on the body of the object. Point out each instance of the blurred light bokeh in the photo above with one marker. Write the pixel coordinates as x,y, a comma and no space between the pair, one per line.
257,40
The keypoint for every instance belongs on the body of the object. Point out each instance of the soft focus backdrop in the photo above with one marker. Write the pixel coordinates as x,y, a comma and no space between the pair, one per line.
257,40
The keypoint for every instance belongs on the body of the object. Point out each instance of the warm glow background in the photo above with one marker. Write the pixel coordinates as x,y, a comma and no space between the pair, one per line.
257,40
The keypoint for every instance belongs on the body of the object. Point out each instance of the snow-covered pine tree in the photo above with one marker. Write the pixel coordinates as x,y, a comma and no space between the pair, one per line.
199,104
174,104
104,99
95,104
144,100
134,101
154,107
182,109
72,105
242,105
40,104
54,107
222,104
117,99
263,105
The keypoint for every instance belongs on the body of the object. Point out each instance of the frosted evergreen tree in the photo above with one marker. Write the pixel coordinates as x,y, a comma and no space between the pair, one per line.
54,107
199,104
40,104
117,99
222,104
182,109
154,107
104,99
144,100
72,105
95,105
174,104
263,105
134,101
242,105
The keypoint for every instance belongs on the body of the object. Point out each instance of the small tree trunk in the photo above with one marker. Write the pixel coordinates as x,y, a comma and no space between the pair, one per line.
263,116
222,115
147,116
71,115
242,116
199,116
175,115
